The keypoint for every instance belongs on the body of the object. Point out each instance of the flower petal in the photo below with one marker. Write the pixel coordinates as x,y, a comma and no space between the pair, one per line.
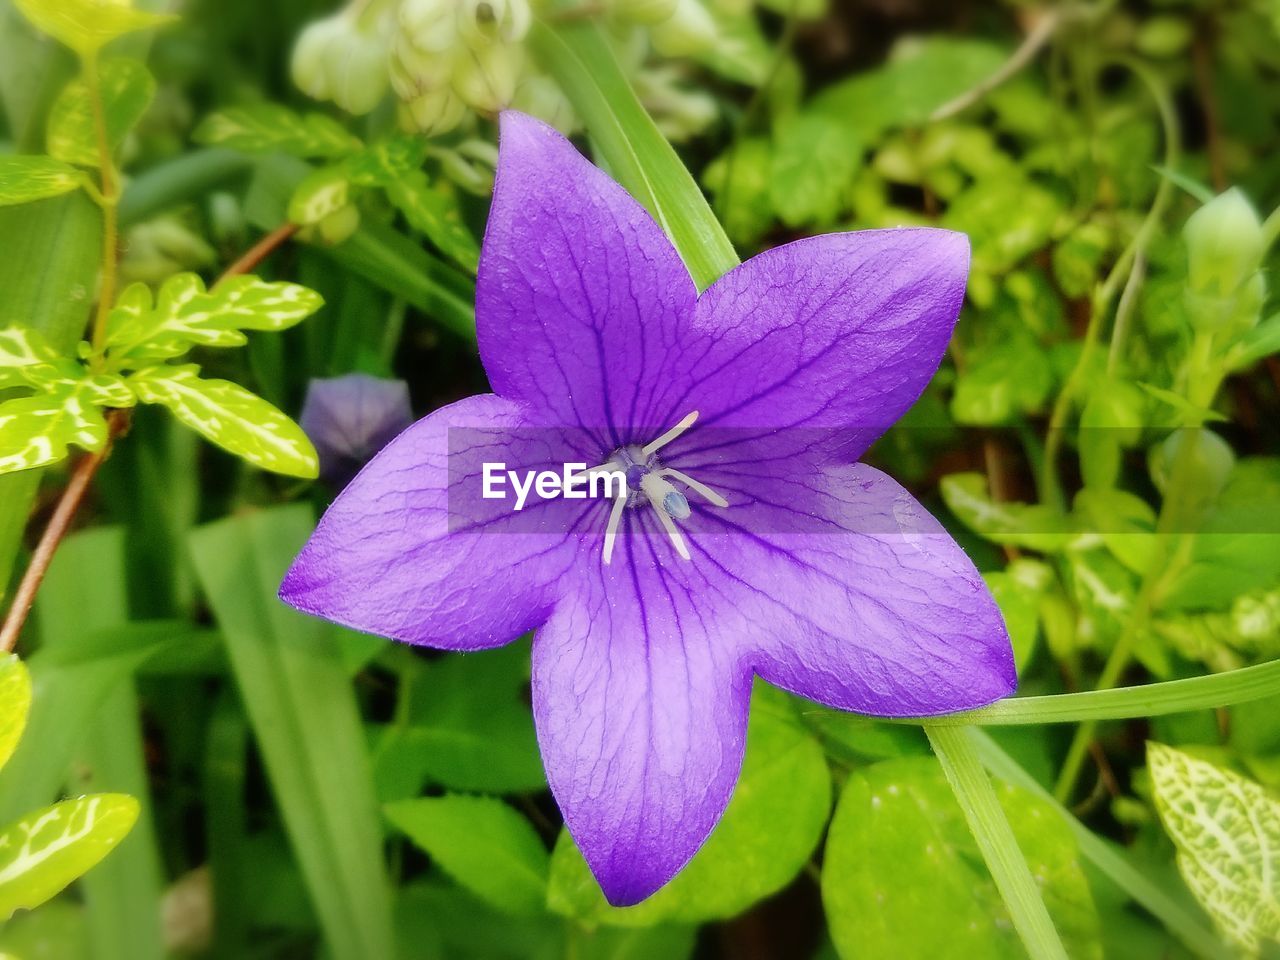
834,333
580,296
640,701
858,598
410,551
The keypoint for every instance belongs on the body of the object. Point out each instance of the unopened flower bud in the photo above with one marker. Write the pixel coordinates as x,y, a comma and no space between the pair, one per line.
339,225
488,21
1224,244
1207,471
433,112
687,31
351,418
430,25
485,77
310,63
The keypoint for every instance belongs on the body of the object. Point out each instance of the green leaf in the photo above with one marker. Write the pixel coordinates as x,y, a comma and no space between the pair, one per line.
184,314
434,211
44,851
903,877
302,707
579,57
1227,831
1260,342
100,389
814,162
767,834
485,845
36,431
127,89
467,726
23,179
1035,526
15,702
1008,378
87,25
269,127
739,179
82,601
227,414
919,77
20,348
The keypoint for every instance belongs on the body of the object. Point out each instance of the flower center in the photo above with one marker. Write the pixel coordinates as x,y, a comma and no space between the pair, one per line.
649,484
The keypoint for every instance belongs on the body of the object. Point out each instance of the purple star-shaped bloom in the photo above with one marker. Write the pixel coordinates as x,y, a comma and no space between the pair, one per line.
747,540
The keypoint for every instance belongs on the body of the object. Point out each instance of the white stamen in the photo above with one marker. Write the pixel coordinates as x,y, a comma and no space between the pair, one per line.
701,488
673,532
649,449
615,518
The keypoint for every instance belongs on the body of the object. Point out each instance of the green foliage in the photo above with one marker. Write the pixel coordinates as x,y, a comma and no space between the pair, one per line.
1227,831
44,851
902,875
766,835
126,88
24,179
486,846
270,127
15,702
227,414
87,25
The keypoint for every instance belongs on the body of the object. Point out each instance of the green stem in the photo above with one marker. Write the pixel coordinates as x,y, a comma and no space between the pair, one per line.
955,751
1210,692
108,199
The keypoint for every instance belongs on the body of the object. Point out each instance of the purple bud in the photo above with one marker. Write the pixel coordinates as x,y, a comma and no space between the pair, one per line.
351,418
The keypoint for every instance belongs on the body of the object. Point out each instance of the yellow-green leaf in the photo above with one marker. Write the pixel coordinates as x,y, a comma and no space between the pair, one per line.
86,25
1227,831
44,851
23,179
22,347
127,90
36,431
227,414
184,314
99,389
269,127
15,703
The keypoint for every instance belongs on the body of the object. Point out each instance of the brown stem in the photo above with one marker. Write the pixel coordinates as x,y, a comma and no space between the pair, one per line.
260,251
117,423
59,524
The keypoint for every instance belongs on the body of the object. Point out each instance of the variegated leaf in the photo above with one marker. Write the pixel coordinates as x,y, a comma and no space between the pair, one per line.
1227,831
15,702
87,25
23,179
395,165
185,314
127,90
269,127
44,851
100,389
36,431
20,348
227,414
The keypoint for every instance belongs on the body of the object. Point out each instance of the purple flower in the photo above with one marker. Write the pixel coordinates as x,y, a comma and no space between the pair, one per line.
746,541
351,418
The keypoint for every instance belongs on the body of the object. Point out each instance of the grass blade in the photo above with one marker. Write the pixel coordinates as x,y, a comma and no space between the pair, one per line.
304,717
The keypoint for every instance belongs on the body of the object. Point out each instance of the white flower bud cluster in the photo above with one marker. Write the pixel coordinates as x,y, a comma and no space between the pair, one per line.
447,59
343,58
453,55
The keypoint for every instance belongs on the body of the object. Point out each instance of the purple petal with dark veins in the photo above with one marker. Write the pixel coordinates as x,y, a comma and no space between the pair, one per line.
856,596
580,298
640,697
405,553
